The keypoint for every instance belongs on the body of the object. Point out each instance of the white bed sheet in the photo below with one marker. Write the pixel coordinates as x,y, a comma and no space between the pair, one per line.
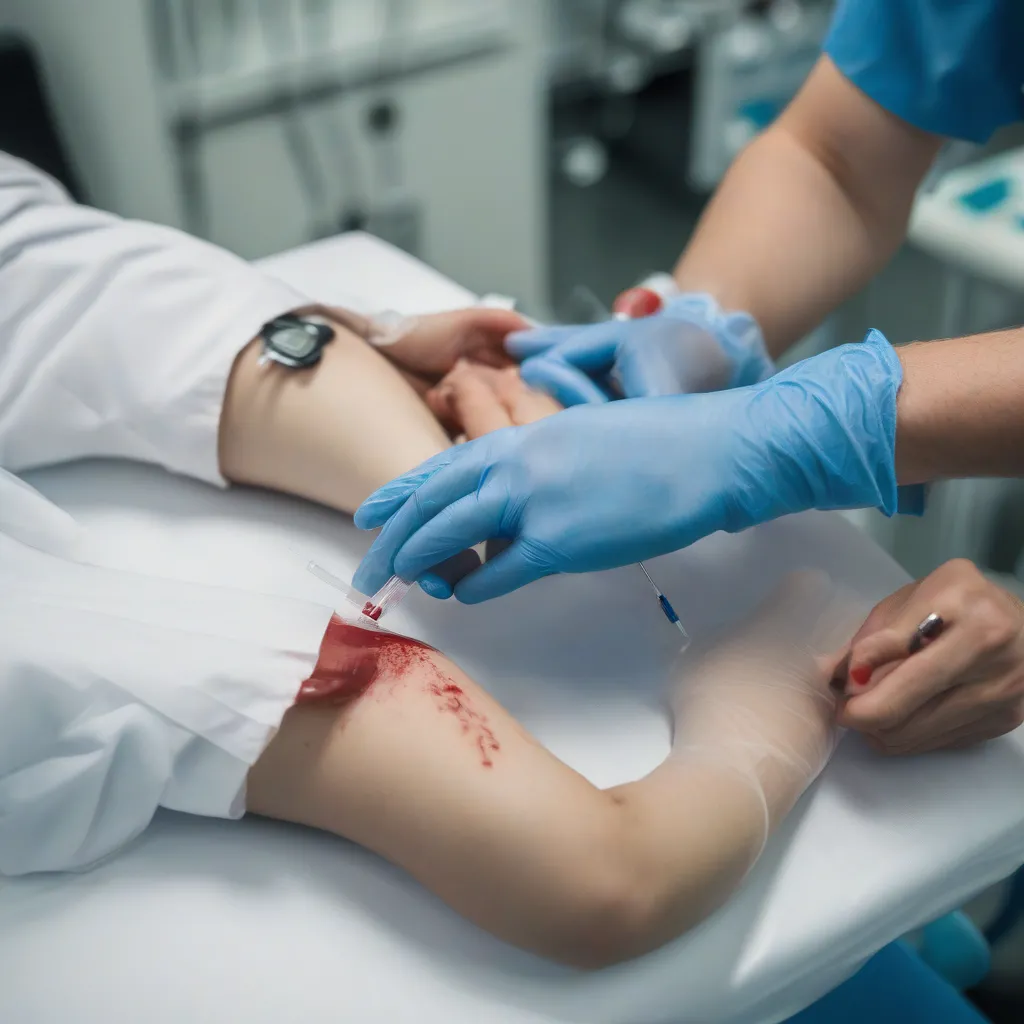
259,923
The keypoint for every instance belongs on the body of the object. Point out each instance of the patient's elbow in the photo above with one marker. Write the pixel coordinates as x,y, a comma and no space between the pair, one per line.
608,916
623,894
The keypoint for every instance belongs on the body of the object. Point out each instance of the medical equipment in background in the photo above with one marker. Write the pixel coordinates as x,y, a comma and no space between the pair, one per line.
738,63
262,124
745,75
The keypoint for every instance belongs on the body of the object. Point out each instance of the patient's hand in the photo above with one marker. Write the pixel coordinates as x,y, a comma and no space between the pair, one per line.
427,347
474,400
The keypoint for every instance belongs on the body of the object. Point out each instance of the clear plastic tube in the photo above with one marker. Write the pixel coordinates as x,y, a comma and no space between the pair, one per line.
331,580
386,598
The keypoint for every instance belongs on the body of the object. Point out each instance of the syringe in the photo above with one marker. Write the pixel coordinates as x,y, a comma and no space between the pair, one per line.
666,607
396,588
641,301
634,304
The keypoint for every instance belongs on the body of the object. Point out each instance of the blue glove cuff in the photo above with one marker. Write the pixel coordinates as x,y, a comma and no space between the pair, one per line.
737,333
828,424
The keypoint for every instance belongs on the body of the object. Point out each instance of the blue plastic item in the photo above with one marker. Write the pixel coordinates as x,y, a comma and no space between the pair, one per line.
606,485
987,197
760,113
690,346
894,987
1012,912
955,948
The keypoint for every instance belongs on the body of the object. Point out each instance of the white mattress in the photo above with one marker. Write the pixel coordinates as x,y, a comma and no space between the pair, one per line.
257,923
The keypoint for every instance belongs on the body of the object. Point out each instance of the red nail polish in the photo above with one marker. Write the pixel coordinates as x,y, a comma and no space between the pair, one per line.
861,675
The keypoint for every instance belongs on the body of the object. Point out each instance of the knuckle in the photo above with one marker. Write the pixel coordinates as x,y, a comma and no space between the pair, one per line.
994,626
960,569
958,602
998,633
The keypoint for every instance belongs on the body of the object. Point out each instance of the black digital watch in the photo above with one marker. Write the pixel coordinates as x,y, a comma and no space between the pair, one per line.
294,341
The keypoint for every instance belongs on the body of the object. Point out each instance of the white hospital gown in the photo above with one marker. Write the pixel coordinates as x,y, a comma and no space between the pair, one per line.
121,693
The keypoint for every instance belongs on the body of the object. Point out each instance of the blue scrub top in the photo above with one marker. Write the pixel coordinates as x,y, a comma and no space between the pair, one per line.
952,67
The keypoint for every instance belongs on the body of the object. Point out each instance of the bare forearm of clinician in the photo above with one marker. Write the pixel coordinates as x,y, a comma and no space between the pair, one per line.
960,411
810,211
333,433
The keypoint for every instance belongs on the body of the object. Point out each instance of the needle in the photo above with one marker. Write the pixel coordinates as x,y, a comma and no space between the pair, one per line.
666,607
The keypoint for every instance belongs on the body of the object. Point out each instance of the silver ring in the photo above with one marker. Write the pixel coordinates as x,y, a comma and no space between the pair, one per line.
928,629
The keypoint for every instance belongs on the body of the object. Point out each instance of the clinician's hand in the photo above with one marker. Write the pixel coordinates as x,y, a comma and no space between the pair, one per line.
689,347
601,486
964,687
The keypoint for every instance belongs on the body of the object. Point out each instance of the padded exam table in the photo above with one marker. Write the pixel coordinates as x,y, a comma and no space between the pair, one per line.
255,922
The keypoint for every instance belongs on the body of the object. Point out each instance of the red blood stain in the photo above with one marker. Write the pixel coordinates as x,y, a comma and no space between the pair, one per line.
861,675
452,699
352,658
372,611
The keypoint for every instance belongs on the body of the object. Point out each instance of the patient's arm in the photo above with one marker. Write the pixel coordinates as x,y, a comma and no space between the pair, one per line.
338,431
333,433
394,747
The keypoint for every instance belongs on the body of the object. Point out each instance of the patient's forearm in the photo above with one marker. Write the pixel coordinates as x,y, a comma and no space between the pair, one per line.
423,766
333,433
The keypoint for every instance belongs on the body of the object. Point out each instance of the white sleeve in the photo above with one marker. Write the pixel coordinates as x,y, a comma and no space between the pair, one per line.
122,693
116,337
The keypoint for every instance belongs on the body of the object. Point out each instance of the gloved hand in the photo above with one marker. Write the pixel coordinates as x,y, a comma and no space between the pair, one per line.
691,346
596,487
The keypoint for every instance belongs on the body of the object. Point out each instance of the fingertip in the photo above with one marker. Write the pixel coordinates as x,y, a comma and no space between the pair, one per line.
565,384
849,715
379,508
368,516
512,569
434,586
368,580
860,675
520,344
876,649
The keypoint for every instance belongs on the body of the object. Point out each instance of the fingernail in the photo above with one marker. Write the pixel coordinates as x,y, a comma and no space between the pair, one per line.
388,327
860,675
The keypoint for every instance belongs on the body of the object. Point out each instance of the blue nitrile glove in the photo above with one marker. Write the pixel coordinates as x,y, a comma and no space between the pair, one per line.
601,486
691,346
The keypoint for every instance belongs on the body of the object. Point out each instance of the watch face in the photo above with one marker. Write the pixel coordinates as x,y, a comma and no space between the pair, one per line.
296,341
